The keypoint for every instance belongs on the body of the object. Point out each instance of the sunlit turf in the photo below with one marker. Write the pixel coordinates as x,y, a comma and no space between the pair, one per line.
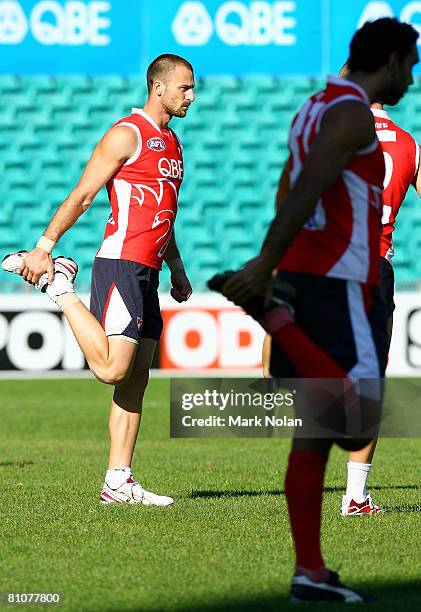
224,545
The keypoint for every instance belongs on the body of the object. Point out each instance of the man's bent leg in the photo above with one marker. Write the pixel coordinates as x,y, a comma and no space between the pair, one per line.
110,361
110,358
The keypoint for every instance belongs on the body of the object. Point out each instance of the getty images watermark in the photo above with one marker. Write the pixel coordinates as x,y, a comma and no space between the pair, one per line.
238,401
232,408
305,408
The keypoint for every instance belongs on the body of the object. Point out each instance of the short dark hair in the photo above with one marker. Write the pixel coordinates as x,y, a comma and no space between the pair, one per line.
372,45
163,65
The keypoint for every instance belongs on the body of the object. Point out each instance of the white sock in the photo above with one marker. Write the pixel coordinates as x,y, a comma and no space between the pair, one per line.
117,476
357,480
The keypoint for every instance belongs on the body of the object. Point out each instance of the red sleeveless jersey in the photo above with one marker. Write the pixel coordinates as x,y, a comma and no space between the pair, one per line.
341,238
401,156
143,195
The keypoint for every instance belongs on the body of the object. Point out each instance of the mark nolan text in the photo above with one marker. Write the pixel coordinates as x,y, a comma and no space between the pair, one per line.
266,421
239,421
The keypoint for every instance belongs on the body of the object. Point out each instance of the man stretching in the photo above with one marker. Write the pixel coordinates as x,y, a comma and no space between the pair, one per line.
140,161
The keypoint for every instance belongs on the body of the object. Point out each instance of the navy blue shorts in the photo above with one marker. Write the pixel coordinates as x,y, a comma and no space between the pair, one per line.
346,319
124,298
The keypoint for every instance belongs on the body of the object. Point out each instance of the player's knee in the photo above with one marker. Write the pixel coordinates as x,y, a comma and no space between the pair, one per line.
132,392
353,444
135,385
112,375
118,379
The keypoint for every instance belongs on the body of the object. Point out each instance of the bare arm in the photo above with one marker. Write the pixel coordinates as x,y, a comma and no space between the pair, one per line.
116,147
345,128
283,185
266,353
281,193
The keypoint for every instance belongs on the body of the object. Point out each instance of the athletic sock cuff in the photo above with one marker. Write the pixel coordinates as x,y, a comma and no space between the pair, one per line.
66,300
356,465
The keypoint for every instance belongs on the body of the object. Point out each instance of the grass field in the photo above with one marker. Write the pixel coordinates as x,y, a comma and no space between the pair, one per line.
224,545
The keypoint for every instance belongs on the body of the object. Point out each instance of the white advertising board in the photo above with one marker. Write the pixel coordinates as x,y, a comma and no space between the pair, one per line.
207,333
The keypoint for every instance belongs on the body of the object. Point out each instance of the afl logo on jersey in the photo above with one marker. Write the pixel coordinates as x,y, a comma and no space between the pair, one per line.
156,144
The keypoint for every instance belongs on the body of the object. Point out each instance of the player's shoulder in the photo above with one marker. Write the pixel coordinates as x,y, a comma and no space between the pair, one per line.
402,132
385,122
131,119
339,89
141,120
303,109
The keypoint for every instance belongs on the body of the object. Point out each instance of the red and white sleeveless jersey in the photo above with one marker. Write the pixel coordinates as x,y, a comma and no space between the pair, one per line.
401,156
143,195
341,238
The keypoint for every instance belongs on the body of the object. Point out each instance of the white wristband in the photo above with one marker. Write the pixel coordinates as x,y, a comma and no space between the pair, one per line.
45,244
176,265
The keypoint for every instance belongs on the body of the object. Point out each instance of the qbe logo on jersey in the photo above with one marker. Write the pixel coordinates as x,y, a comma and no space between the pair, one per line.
55,23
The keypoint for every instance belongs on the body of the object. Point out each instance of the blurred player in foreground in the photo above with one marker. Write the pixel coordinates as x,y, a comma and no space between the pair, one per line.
324,241
401,154
140,161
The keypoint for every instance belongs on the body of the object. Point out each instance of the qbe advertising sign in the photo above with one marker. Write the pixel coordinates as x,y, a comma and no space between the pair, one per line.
308,37
70,37
242,37
278,37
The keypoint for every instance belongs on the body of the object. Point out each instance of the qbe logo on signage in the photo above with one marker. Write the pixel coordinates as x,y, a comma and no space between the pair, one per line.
260,23
278,37
239,36
237,23
102,38
52,23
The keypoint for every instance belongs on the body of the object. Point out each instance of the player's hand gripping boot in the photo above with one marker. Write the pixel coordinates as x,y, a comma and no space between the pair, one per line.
65,271
283,294
12,263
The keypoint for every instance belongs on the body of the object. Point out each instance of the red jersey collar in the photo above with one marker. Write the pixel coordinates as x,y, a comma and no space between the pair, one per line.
140,111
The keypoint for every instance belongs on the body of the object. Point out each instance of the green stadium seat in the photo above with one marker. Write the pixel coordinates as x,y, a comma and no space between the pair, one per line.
9,243
261,85
235,144
241,255
224,83
207,98
10,84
